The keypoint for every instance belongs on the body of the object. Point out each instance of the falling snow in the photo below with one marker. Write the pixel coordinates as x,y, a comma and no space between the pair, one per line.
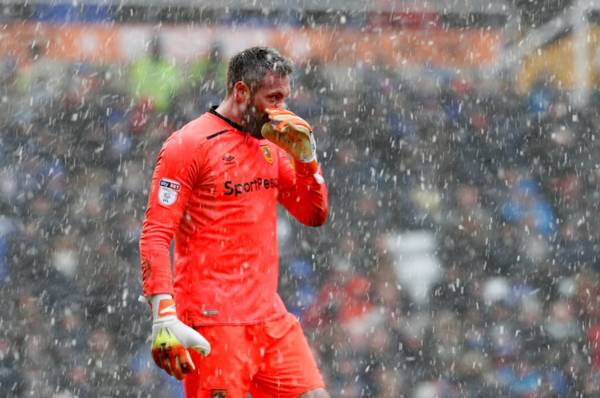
460,254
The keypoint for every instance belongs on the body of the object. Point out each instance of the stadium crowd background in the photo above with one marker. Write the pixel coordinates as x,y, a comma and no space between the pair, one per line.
507,184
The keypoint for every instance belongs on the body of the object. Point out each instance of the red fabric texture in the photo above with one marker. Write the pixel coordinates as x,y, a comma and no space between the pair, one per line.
267,360
215,189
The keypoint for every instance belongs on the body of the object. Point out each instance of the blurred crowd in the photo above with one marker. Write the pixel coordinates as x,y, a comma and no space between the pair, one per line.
458,259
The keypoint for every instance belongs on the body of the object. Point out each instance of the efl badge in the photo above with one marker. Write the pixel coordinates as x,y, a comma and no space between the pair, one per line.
218,393
267,153
167,191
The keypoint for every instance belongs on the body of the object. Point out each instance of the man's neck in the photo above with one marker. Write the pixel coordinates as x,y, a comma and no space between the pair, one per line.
228,109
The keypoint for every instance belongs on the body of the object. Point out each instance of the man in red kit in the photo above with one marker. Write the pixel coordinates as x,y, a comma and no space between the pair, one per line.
215,189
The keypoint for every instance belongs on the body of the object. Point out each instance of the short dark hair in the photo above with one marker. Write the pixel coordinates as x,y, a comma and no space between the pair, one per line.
252,65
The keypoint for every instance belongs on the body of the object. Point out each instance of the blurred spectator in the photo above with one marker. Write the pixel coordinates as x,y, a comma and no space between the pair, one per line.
208,74
526,205
153,82
204,86
41,82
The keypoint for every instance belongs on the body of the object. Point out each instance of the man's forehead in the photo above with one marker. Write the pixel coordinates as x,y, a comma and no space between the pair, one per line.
273,81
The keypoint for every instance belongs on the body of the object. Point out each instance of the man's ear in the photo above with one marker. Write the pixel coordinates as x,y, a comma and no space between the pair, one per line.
241,92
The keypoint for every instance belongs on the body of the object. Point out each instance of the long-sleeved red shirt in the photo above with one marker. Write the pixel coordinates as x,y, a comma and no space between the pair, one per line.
215,189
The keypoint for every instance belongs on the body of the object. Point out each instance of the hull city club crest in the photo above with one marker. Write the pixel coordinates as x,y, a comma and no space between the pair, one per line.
266,151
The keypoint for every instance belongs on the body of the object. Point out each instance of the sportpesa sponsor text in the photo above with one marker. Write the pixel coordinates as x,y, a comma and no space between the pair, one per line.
257,184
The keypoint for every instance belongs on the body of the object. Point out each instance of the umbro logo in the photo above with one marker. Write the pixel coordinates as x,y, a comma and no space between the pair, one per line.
228,158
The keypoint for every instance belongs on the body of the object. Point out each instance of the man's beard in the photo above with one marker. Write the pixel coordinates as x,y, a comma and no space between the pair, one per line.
253,122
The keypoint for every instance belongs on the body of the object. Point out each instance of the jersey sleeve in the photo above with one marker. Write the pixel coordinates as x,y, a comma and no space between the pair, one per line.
302,192
173,179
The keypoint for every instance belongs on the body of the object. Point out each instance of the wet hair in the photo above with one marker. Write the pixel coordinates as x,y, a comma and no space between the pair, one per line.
252,65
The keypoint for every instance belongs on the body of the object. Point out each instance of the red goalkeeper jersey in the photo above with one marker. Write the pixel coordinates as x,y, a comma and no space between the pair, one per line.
215,189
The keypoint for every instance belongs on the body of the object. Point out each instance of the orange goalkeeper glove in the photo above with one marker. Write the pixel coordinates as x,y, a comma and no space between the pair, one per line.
171,339
293,134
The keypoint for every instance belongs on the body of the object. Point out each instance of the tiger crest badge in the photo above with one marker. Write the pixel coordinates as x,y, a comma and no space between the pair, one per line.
266,151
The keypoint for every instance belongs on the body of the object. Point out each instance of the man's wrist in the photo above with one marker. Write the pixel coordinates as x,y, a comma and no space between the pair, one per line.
307,168
162,305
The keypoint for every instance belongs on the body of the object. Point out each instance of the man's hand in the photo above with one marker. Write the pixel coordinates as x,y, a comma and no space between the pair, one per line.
292,133
171,338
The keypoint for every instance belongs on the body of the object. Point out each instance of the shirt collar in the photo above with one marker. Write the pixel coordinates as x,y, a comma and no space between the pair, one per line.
213,110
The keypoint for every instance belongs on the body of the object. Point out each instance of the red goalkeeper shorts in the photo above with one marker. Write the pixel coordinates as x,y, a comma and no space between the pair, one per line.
271,360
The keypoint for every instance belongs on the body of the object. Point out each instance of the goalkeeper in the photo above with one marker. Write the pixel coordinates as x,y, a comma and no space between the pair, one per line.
218,321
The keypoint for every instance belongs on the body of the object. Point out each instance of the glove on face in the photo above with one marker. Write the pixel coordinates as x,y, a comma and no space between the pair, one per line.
292,133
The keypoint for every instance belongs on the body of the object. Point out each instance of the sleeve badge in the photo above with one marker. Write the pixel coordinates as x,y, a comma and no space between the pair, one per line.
168,191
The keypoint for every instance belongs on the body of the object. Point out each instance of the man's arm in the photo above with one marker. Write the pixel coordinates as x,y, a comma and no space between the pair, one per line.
172,183
174,176
302,191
